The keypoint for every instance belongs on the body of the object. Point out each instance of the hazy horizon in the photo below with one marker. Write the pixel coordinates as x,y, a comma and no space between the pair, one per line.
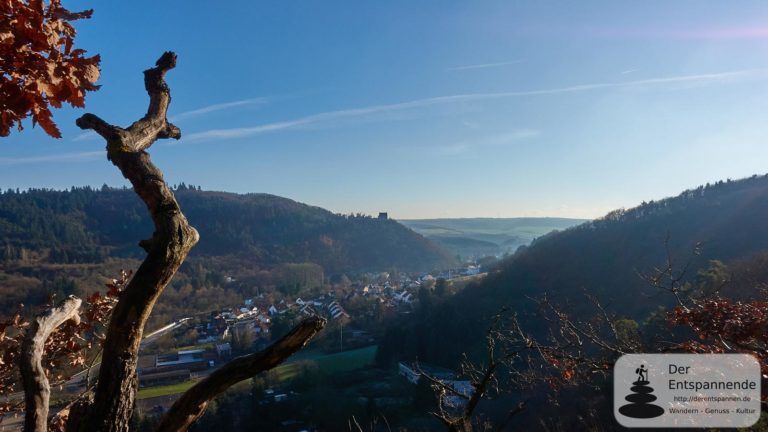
375,212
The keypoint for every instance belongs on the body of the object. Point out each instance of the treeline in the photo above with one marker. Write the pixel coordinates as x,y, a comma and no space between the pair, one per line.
87,225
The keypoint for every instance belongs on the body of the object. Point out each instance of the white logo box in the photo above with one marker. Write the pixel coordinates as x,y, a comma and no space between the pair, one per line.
686,390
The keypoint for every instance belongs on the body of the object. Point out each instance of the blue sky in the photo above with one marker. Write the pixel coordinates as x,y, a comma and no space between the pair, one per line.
430,108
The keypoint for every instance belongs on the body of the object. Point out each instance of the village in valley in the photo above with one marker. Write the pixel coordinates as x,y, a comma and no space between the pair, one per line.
355,312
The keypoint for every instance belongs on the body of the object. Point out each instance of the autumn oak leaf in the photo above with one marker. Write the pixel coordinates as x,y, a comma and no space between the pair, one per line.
39,66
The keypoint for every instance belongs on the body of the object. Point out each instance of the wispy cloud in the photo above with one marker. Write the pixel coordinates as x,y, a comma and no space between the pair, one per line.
217,107
66,157
90,135
484,65
85,136
469,97
628,71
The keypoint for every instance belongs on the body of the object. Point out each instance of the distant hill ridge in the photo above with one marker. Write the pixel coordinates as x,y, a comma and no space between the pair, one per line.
86,225
487,236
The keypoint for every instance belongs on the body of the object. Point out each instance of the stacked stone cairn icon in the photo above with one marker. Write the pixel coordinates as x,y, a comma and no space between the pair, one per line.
640,405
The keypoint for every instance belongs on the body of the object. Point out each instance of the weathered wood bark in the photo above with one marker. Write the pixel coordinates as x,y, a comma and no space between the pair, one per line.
37,389
193,402
67,417
459,425
166,250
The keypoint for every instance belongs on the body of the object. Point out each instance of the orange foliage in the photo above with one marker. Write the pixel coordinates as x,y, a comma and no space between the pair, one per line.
723,325
39,66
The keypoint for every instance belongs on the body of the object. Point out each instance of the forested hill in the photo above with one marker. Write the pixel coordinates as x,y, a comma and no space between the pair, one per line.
87,225
727,220
603,257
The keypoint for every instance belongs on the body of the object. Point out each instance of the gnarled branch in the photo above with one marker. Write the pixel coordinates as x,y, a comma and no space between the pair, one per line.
171,242
193,402
37,389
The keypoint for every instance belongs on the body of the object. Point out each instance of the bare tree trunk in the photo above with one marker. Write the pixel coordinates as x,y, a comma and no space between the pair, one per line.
37,389
166,250
459,425
193,402
113,401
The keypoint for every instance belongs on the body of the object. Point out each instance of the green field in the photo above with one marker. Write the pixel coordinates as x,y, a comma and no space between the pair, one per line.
172,389
329,363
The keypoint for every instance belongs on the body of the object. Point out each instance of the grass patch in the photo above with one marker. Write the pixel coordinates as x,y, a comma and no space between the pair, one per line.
329,363
152,392
347,360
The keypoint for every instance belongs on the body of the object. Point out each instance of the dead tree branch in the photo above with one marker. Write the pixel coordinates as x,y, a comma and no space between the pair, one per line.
482,378
192,403
166,250
669,277
37,389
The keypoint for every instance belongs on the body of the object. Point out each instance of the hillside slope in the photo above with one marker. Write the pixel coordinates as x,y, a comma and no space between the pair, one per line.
724,221
87,225
603,257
